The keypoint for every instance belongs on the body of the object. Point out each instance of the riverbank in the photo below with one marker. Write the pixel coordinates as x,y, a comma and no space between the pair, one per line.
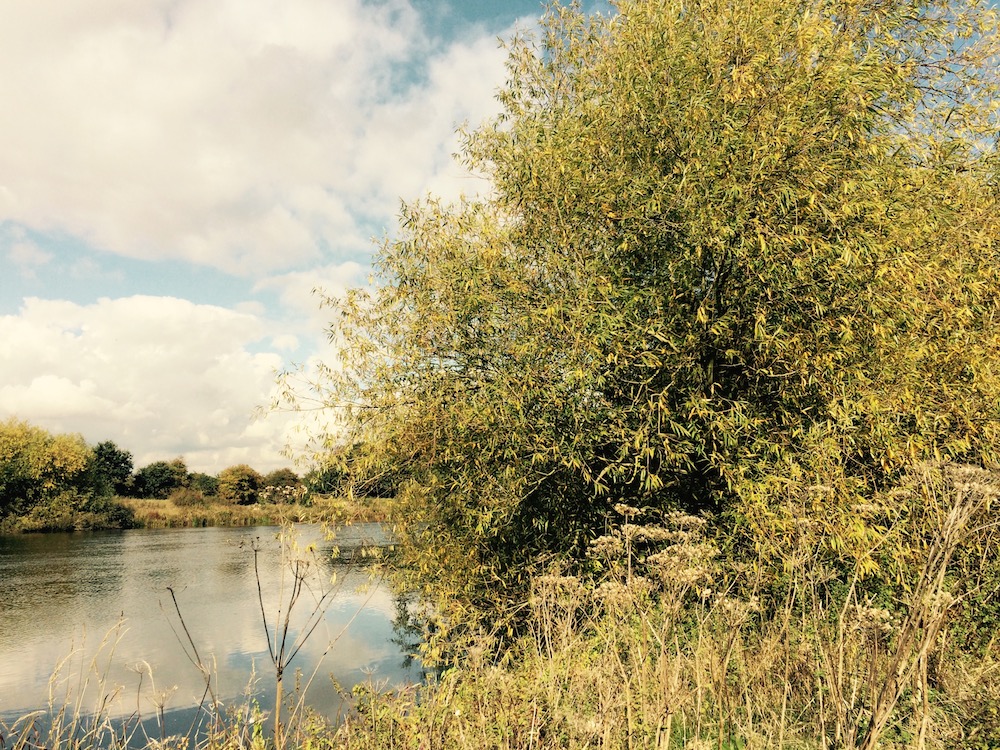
697,654
165,514
674,641
95,514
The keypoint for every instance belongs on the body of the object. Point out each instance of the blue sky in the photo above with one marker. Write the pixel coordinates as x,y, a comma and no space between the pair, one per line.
177,175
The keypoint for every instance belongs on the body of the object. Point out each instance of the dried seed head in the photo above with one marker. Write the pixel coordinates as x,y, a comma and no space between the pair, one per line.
627,510
608,546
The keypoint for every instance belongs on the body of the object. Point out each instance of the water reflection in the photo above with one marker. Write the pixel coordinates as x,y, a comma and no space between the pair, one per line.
105,598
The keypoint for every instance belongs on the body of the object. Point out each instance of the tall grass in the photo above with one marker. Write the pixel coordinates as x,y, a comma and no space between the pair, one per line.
680,646
670,639
165,514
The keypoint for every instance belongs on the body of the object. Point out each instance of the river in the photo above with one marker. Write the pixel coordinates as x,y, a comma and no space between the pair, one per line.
87,615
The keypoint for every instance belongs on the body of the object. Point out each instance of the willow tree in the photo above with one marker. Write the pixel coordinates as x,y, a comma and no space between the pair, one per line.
736,257
38,467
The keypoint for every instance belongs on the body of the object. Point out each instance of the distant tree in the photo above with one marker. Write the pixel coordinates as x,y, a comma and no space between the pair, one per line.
282,478
36,465
112,469
327,479
206,484
240,484
282,486
160,478
354,469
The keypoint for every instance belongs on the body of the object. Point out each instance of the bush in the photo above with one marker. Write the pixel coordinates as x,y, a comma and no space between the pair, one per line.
205,483
159,479
240,484
282,486
72,511
187,496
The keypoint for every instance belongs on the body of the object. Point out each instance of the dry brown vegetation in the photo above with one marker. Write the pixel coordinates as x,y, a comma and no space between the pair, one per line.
679,645
165,514
674,639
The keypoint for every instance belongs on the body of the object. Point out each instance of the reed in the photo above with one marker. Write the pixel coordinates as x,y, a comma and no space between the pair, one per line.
165,514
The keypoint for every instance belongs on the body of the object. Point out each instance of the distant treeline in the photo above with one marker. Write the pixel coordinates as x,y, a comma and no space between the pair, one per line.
58,481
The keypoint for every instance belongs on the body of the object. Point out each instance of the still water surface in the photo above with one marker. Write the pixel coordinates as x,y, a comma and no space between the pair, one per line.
74,607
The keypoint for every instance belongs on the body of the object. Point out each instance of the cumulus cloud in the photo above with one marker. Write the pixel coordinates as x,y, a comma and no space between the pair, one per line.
300,294
27,256
269,140
160,376
249,135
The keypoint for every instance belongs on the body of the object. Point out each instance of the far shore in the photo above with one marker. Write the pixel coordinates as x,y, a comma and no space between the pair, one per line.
164,514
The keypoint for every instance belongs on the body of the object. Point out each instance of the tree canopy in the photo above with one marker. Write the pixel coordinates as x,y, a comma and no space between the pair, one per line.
57,482
112,468
736,257
36,465
160,478
240,484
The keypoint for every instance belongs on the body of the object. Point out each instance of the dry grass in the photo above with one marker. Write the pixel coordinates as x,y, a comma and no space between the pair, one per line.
164,514
676,645
678,648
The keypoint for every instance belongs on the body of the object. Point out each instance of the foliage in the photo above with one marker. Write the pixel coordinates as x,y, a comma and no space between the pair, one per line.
55,482
71,510
677,645
240,484
112,469
739,258
326,479
160,478
282,478
357,470
187,496
37,466
204,483
282,486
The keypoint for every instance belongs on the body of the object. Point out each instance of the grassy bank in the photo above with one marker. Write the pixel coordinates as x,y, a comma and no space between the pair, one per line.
629,665
74,514
618,668
682,641
165,514
675,638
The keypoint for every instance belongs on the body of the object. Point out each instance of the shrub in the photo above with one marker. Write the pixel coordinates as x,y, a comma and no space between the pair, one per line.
205,483
240,484
187,496
282,486
159,479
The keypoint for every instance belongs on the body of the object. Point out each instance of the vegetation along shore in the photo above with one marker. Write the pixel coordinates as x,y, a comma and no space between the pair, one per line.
57,482
692,421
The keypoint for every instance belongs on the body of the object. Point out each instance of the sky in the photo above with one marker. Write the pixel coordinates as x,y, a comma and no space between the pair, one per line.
177,176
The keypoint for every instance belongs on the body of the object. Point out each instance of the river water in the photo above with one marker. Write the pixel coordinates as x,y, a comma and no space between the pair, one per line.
87,615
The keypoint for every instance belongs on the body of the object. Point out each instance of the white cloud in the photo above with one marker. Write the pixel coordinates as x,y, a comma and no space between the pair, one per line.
461,86
160,376
266,138
301,332
298,290
27,256
285,342
248,135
